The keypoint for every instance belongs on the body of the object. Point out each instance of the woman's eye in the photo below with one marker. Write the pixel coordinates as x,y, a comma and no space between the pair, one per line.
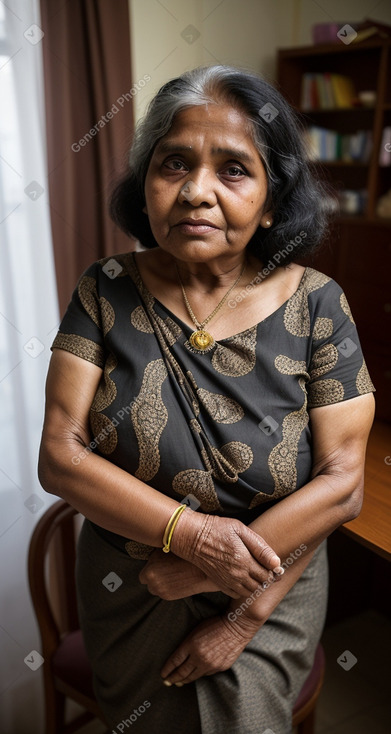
175,164
235,171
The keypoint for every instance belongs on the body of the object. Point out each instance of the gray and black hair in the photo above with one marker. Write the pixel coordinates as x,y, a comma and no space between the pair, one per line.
295,196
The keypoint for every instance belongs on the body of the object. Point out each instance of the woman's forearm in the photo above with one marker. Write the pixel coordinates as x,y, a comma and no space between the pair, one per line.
105,493
310,514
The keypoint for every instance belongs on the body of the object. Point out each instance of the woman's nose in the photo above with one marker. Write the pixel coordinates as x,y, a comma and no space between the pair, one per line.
198,189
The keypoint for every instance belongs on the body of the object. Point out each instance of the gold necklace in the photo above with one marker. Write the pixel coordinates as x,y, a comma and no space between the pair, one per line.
201,340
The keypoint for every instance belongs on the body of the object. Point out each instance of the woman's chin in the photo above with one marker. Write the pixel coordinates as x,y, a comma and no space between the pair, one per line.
195,250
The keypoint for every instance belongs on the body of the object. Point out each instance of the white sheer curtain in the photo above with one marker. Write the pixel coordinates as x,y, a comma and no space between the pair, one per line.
28,322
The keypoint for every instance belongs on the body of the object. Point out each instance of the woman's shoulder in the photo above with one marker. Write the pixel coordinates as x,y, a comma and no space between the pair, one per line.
115,266
107,285
305,284
318,283
107,270
313,280
324,296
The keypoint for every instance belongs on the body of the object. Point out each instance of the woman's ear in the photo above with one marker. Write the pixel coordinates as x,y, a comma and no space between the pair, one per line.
144,209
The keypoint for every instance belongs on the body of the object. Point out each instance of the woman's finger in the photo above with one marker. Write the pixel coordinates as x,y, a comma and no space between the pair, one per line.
259,576
183,674
260,550
175,660
255,578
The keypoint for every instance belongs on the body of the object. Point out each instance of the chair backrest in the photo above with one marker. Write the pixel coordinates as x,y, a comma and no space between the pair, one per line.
57,524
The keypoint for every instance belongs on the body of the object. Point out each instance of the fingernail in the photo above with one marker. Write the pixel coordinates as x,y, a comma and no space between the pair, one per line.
179,685
167,683
279,570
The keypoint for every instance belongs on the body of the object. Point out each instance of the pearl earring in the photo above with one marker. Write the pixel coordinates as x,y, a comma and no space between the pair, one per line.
267,223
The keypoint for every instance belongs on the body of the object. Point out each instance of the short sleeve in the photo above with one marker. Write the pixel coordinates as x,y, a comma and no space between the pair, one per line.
337,369
80,331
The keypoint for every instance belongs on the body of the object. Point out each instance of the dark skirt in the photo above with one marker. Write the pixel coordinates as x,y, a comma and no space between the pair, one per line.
129,634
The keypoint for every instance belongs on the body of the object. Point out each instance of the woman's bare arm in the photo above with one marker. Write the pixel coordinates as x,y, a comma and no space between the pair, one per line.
97,488
332,497
334,494
230,554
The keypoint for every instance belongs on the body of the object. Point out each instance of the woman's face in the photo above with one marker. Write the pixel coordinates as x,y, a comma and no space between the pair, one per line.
206,186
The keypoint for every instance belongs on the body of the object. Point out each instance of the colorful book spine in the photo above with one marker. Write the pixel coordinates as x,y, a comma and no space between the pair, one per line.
329,145
326,91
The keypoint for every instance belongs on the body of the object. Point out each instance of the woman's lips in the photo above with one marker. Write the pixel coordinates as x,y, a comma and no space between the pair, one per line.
195,226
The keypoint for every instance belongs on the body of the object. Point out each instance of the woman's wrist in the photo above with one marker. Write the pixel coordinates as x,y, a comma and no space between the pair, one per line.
246,612
255,609
187,531
242,627
170,527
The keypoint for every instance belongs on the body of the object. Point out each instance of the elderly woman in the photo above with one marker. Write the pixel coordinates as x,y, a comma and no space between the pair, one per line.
208,408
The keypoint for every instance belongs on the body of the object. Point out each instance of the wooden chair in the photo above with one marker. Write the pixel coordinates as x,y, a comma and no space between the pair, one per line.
66,670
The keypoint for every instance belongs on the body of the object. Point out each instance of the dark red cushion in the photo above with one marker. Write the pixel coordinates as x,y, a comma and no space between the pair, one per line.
70,663
312,681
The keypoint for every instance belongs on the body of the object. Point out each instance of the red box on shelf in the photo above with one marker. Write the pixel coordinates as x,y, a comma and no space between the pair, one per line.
326,32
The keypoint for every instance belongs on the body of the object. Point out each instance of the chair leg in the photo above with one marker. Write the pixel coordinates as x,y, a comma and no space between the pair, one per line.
308,725
54,709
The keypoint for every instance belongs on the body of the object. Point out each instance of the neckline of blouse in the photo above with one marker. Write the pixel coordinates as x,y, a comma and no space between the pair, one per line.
136,277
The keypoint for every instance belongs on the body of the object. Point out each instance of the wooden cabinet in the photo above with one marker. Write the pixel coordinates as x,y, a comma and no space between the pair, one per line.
357,253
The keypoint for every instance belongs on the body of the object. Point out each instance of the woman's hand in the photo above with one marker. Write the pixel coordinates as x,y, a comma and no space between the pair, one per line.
234,557
171,577
213,646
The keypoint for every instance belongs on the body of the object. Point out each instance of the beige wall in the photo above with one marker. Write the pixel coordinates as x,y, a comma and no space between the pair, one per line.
240,32
244,33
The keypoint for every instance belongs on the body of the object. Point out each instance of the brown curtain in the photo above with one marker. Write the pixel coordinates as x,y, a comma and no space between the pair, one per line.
86,51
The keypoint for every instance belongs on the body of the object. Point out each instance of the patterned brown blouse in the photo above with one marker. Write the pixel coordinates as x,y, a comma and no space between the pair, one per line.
230,427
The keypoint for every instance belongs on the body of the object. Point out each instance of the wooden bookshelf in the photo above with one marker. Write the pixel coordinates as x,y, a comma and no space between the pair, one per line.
368,65
358,251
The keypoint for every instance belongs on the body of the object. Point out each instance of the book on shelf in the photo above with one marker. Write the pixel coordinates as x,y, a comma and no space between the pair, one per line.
352,201
329,145
326,91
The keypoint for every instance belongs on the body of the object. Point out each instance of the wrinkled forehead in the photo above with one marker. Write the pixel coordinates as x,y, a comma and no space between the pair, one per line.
219,126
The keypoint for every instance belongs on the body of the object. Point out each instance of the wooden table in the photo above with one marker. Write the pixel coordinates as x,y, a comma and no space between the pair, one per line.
372,527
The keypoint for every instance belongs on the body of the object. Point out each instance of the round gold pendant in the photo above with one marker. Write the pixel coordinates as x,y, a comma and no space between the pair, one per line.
201,340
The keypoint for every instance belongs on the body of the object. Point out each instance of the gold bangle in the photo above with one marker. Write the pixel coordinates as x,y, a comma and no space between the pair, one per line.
170,527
